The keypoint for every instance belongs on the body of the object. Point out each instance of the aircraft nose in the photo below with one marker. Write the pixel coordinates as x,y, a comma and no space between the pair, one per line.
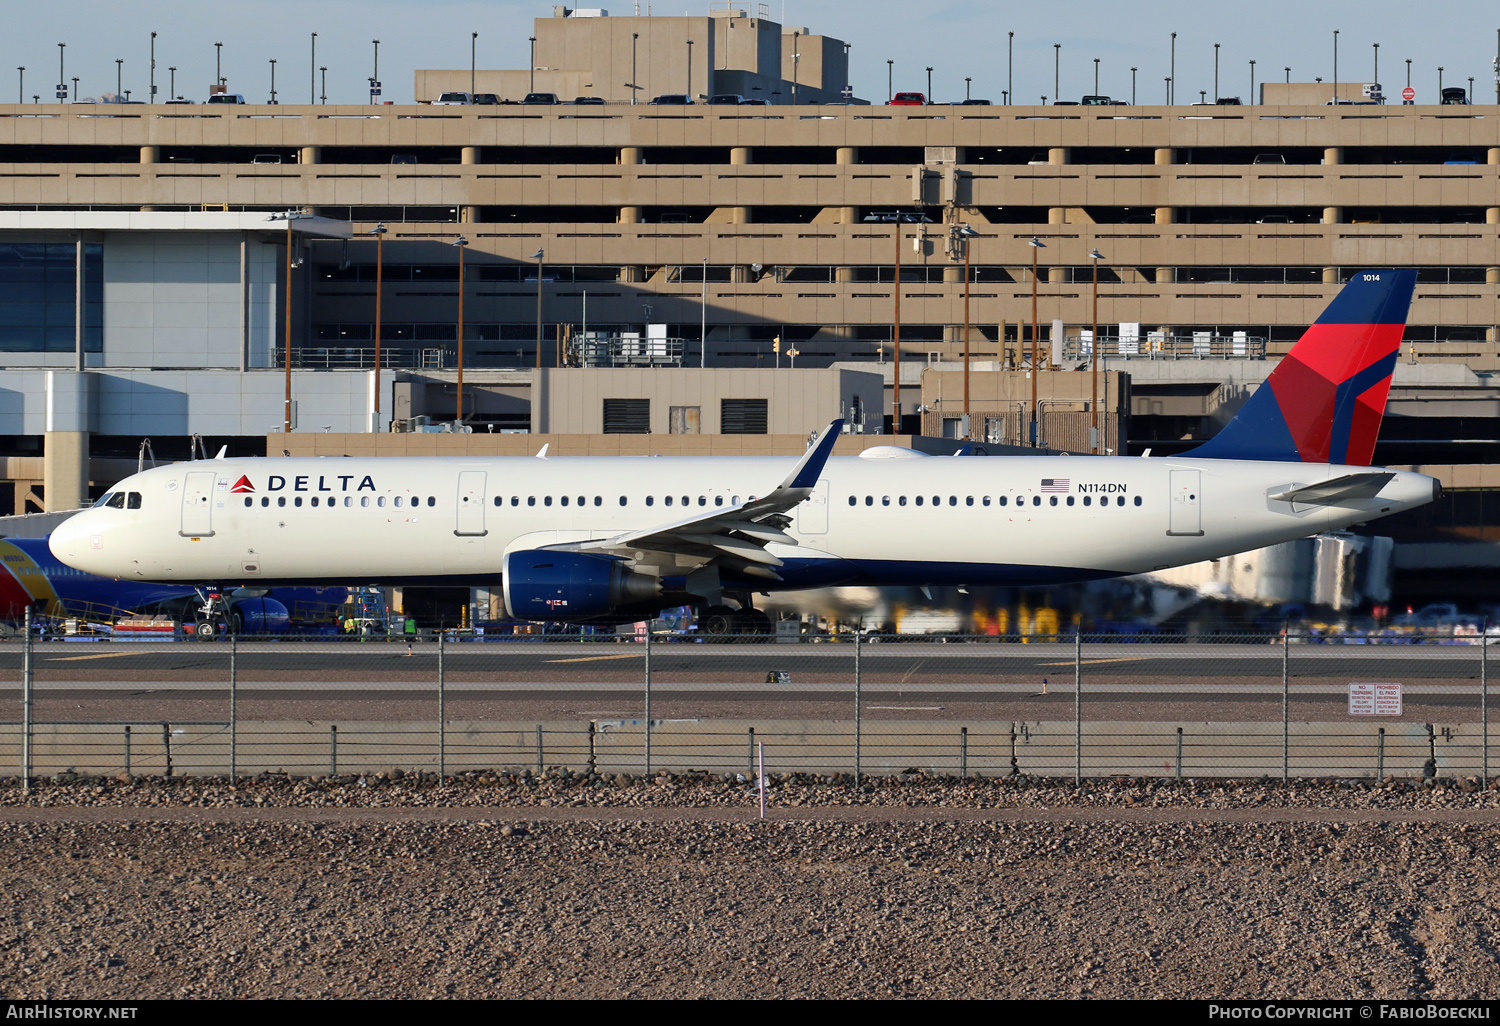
69,540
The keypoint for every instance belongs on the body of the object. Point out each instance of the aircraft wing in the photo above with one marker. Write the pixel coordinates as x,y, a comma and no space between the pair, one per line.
734,536
1336,490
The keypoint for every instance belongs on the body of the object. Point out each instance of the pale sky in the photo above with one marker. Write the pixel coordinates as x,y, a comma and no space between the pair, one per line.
957,38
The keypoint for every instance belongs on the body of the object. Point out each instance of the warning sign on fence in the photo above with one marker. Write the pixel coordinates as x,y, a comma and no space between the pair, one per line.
1374,699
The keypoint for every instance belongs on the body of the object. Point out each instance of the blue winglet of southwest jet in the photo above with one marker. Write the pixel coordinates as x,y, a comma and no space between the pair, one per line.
808,469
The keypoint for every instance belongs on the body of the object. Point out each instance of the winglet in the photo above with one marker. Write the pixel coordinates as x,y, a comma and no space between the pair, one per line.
810,467
223,452
541,453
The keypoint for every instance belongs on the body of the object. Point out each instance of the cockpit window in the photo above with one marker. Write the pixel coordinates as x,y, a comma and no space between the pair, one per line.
133,500
116,501
104,499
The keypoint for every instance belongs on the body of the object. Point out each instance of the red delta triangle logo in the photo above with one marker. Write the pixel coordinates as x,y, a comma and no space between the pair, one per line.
243,485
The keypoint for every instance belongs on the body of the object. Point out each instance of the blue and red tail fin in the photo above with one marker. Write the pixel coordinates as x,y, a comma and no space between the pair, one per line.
1324,400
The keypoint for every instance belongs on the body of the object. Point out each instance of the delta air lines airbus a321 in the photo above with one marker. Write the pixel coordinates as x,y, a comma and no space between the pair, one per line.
618,539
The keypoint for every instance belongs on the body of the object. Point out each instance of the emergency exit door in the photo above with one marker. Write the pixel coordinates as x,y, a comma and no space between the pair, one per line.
1186,505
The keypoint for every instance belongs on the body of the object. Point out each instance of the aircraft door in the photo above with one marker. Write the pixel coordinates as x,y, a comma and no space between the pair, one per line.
1186,503
812,512
197,503
470,522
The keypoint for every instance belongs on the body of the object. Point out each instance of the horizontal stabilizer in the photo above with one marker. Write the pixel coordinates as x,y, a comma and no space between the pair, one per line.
1338,489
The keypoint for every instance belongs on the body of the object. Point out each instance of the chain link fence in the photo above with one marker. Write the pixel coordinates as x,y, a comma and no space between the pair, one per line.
1070,706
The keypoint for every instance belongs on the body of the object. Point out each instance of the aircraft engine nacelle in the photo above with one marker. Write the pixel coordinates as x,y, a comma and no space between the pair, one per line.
545,584
259,615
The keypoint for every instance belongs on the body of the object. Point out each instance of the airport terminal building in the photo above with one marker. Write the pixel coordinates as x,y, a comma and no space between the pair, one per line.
146,290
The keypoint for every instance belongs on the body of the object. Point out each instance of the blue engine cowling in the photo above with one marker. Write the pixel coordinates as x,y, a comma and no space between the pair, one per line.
259,615
543,584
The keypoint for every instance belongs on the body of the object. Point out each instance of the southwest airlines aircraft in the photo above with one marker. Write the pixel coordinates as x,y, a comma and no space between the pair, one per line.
617,539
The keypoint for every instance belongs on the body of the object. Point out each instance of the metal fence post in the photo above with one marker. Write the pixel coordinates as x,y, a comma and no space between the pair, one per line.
751,769
1380,756
1484,703
26,680
540,758
442,712
127,749
234,766
963,753
333,749
1179,753
1286,700
858,704
648,698
1078,708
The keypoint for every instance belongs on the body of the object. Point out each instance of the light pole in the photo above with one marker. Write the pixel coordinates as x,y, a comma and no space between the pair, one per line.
218,64
323,75
1376,79
1335,67
473,67
1172,73
1440,83
379,232
967,81
1252,81
1132,87
929,85
796,59
462,243
1216,72
75,87
537,256
375,73
897,219
702,319
273,80
1096,76
119,78
1037,245
890,78
62,76
532,68
172,82
152,97
1056,71
960,234
288,216
690,75
1095,256
1010,67
21,94
634,86
312,72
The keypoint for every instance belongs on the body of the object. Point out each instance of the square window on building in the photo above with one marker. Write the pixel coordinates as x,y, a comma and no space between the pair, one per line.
742,416
685,420
627,416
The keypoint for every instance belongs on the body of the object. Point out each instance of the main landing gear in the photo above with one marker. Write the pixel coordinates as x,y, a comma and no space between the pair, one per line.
726,624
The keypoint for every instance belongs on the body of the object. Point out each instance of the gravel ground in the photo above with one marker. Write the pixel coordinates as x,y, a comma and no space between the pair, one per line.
567,887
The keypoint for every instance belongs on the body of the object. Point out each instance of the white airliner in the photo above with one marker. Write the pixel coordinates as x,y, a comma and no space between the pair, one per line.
616,539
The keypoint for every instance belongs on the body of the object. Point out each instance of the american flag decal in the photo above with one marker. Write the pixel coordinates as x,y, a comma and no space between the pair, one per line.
1056,484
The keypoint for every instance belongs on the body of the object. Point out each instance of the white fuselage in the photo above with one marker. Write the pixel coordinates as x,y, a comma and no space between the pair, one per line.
917,520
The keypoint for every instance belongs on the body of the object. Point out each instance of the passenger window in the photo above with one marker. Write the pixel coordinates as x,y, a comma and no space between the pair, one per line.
1036,500
1137,500
598,500
1120,501
937,500
703,500
869,500
668,500
133,500
853,501
265,501
498,501
650,500
432,501
734,499
968,500
281,500
397,501
901,501
364,500
348,500
718,500
1088,500
249,502
564,500
953,500
885,500
919,500
1070,500
624,501
314,500
1002,500
546,500
531,500
1052,500
515,500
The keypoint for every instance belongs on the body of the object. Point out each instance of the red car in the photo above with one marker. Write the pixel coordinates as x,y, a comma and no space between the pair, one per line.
909,100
